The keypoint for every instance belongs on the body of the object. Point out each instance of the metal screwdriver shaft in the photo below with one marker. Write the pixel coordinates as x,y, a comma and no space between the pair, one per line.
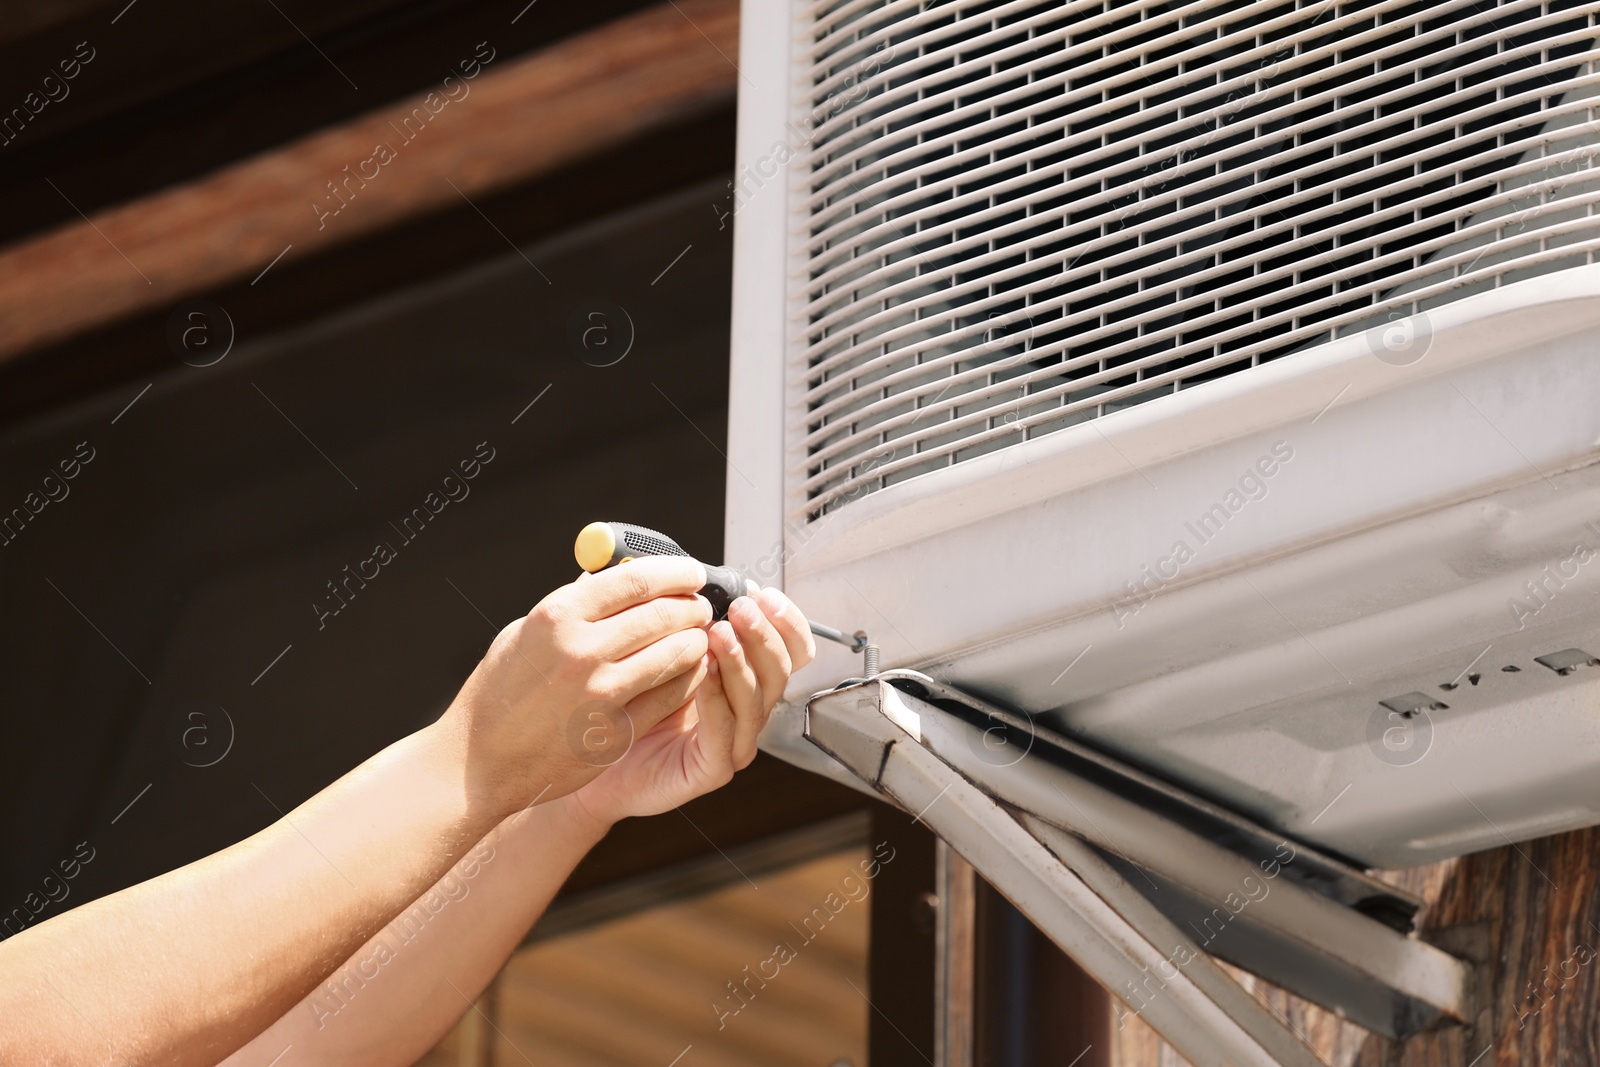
855,642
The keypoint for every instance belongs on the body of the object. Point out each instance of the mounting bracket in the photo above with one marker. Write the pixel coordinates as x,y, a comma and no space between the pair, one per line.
1144,885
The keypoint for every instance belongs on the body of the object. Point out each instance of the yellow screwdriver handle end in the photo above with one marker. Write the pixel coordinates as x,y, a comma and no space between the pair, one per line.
596,547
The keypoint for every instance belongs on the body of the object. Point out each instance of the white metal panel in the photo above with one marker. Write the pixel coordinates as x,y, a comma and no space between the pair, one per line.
1379,560
979,286
754,526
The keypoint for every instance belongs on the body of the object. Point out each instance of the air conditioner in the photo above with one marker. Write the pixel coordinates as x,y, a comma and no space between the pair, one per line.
1214,383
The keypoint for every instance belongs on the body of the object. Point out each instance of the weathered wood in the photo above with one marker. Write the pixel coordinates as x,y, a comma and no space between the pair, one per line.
27,16
1538,907
514,120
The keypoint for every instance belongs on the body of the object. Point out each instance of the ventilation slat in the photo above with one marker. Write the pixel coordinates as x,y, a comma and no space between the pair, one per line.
900,384
1084,107
1019,216
826,359
891,458
1051,388
1199,136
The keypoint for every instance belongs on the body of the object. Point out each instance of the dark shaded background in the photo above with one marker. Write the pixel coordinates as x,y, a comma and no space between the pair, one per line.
140,609
147,713
190,551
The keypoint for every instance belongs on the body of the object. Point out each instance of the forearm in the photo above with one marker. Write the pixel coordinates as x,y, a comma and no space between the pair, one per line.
398,994
184,968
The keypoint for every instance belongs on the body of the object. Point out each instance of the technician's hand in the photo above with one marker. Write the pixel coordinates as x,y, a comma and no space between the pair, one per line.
616,653
698,748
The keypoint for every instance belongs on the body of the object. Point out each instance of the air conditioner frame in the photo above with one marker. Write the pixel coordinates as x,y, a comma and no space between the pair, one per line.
1427,487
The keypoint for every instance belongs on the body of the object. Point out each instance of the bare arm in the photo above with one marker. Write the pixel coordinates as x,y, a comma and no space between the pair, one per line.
187,967
398,995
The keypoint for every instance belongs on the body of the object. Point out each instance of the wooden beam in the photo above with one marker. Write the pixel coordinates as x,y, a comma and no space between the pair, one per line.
28,16
513,121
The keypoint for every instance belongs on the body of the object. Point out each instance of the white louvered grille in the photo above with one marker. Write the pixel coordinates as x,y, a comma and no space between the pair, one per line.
1022,215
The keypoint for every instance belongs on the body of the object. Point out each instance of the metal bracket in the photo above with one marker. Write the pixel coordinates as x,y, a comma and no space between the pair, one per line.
1140,883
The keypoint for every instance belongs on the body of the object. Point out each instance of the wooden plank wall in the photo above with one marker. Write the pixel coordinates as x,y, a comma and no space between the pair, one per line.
514,118
1538,907
647,988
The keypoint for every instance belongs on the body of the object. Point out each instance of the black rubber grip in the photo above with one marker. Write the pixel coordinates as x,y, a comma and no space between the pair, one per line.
643,541
723,585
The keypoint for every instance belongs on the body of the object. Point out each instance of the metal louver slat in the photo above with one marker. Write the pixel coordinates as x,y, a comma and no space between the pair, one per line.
1020,216
1288,105
900,385
1196,207
825,408
1334,37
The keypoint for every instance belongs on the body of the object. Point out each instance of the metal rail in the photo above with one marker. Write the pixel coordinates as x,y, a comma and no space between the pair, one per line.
1144,896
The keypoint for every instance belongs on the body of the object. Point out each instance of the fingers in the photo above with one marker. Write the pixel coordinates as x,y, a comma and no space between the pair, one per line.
756,649
656,703
768,655
717,722
744,690
741,690
603,595
791,626
662,662
633,628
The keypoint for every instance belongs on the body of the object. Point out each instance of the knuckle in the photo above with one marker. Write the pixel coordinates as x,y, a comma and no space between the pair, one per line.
603,685
549,611
636,584
569,641
691,647
546,616
571,673
578,661
509,635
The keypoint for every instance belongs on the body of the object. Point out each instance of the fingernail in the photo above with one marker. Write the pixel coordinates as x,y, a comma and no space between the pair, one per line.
772,600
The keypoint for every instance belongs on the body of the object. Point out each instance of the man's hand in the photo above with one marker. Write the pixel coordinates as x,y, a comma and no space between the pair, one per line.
700,745
597,662
629,645
691,752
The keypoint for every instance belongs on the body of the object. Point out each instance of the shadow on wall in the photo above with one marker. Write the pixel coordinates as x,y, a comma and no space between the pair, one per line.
238,581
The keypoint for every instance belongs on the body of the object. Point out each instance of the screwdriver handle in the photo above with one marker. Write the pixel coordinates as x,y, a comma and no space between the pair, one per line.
605,544
723,586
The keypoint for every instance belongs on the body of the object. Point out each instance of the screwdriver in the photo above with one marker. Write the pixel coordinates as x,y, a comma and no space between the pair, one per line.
605,544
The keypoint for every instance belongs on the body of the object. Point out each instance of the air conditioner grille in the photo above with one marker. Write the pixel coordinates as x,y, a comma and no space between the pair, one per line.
1020,216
